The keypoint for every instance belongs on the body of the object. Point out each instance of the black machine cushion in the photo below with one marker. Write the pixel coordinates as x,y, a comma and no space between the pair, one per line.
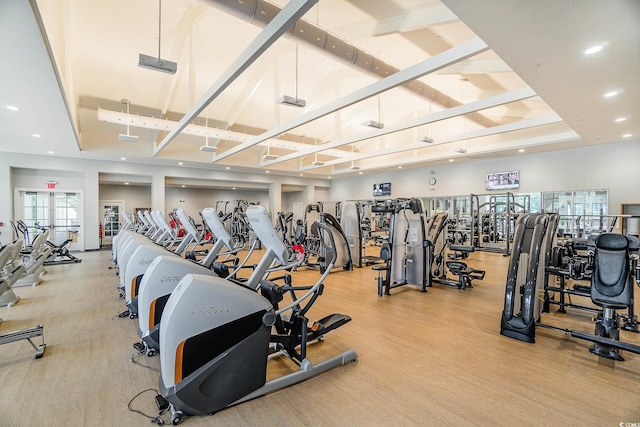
610,281
385,251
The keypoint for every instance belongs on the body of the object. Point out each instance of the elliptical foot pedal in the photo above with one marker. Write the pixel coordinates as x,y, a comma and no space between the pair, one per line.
139,347
328,323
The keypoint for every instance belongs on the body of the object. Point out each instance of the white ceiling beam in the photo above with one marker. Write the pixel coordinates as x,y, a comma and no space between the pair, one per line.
455,54
272,32
496,130
477,66
505,98
415,20
164,125
511,145
509,127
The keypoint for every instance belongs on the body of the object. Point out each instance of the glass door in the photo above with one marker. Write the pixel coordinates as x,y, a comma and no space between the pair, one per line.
111,220
58,212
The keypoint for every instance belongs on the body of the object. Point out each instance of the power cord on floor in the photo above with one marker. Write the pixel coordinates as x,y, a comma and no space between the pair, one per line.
163,405
134,356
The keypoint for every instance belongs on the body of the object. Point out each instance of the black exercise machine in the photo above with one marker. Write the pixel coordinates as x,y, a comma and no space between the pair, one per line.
611,288
465,274
518,319
614,271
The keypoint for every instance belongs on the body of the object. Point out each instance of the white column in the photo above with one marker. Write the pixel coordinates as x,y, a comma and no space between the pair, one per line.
275,199
6,207
157,193
91,210
311,194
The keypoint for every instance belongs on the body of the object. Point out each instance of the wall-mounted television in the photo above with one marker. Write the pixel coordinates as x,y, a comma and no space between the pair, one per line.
502,180
383,189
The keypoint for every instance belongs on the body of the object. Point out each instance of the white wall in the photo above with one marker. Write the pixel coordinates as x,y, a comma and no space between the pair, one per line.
134,196
27,179
193,200
613,167
83,174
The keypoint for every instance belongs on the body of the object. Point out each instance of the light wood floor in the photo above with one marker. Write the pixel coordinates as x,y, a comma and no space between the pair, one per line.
424,359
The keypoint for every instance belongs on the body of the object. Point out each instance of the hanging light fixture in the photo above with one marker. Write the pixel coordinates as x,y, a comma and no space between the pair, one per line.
153,63
353,167
206,147
375,123
267,157
316,162
127,137
293,101
427,139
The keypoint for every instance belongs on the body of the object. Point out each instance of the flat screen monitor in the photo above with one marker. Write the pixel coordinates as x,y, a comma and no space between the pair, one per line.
383,189
502,180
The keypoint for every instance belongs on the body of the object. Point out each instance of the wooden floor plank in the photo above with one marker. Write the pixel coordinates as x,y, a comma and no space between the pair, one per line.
433,358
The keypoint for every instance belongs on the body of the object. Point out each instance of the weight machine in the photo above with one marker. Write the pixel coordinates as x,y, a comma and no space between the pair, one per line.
491,229
615,267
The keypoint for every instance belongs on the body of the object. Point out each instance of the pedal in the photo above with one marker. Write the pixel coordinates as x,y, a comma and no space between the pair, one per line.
139,347
124,314
329,323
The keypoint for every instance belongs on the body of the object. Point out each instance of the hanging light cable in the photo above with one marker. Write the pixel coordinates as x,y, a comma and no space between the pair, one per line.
206,147
128,137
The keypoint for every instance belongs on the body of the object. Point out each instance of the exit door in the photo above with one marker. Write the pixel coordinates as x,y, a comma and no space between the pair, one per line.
59,212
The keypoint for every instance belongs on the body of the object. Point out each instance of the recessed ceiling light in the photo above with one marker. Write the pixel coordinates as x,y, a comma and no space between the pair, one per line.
329,177
522,150
233,188
593,49
621,119
51,152
123,158
12,108
266,171
36,135
180,163
451,160
227,168
301,174
182,186
626,135
610,94
126,183
399,167
360,173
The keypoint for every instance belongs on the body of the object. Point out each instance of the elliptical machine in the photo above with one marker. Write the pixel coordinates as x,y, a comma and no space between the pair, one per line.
166,271
215,335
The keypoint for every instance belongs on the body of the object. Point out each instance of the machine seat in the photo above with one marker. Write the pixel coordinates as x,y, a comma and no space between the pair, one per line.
611,281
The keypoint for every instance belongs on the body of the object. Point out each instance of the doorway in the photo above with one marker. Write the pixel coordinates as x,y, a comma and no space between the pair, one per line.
111,220
57,211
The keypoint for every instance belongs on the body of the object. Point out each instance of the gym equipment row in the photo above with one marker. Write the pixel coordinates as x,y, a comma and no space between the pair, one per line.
219,356
59,253
614,270
22,264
